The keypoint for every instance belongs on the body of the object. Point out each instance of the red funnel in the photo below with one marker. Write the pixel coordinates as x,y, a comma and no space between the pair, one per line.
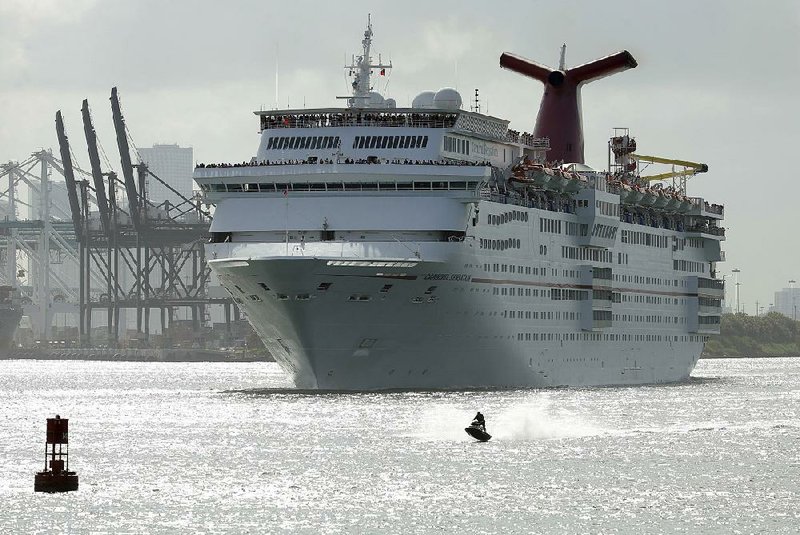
560,112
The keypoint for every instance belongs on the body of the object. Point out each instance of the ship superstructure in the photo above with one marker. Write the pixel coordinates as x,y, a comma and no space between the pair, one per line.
376,247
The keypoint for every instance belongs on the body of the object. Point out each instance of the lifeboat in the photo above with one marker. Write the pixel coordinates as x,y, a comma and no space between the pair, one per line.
662,198
649,197
559,179
541,176
673,202
634,194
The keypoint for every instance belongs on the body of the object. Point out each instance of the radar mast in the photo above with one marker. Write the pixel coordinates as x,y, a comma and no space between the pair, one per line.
360,69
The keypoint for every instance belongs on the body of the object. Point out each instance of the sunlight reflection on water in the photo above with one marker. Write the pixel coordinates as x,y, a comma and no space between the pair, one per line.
230,448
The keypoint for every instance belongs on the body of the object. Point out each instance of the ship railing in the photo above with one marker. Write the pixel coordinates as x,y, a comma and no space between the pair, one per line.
712,284
705,229
529,140
343,119
706,206
330,161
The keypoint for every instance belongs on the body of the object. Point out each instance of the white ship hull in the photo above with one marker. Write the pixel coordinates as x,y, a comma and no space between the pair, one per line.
357,335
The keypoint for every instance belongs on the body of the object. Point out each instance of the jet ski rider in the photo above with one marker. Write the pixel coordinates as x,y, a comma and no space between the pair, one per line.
479,421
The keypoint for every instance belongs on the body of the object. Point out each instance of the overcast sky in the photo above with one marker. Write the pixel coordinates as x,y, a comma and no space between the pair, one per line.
717,83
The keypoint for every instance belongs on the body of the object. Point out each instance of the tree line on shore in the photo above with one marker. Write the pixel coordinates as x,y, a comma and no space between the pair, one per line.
770,335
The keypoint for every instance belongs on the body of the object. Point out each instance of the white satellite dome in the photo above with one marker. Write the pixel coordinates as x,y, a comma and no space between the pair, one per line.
423,100
390,103
447,99
375,100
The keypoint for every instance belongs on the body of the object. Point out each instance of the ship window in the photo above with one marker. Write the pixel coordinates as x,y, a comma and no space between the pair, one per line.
458,185
254,297
422,185
413,142
424,142
406,141
314,142
234,187
363,142
384,141
356,141
323,286
386,288
270,143
373,142
395,141
264,286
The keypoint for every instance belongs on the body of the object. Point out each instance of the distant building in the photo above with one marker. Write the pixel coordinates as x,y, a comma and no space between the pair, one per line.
172,164
787,302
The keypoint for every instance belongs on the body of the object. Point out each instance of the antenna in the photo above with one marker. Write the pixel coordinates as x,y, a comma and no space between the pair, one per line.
562,62
276,76
476,105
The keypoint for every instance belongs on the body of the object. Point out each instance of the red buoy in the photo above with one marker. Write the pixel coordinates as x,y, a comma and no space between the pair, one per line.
56,452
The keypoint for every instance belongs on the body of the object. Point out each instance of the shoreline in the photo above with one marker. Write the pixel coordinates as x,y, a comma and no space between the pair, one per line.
135,355
710,357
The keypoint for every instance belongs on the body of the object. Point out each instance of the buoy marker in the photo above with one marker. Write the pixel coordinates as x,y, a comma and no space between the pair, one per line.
57,478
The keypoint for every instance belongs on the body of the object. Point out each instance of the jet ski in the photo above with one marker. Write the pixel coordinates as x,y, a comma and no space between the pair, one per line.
477,431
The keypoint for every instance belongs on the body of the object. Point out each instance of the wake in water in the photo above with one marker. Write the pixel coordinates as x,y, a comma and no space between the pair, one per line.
540,421
524,421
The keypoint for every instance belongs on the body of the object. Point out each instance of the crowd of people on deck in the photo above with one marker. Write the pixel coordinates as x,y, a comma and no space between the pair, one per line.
368,161
515,136
360,118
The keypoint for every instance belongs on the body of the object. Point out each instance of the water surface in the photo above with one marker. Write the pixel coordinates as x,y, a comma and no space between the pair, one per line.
229,448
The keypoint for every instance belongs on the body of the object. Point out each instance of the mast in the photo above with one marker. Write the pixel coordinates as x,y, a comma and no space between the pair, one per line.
360,69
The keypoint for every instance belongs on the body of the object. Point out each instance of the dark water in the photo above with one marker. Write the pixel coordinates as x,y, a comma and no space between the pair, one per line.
169,448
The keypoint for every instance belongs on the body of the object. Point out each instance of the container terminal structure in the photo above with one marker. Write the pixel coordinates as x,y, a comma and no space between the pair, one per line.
133,253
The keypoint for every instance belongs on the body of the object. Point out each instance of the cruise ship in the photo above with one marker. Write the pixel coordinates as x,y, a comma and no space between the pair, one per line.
378,247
